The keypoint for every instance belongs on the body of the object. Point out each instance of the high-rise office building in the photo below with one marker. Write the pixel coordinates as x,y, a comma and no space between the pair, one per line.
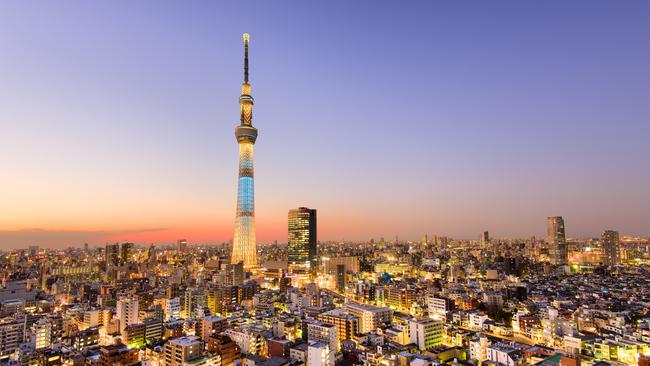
340,278
151,252
244,246
189,302
425,240
235,274
112,255
611,244
556,240
485,237
302,251
125,252
182,245
33,250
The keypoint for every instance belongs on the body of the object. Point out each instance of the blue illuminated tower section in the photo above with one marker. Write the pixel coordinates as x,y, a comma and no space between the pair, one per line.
244,248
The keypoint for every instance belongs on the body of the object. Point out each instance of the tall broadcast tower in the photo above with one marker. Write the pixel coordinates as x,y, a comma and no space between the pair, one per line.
244,247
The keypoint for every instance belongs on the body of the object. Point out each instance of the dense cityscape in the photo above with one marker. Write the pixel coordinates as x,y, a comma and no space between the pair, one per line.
552,301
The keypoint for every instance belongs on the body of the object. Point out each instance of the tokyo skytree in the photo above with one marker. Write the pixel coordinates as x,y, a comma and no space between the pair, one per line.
244,246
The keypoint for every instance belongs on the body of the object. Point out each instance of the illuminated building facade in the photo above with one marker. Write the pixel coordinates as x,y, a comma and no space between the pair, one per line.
340,278
426,333
224,346
556,239
211,326
347,325
302,250
401,298
370,317
126,250
126,310
244,245
182,246
11,335
180,350
42,333
351,264
117,354
320,354
324,333
112,255
235,274
611,247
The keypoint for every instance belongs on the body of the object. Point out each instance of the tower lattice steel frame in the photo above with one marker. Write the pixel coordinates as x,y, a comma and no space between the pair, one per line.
244,248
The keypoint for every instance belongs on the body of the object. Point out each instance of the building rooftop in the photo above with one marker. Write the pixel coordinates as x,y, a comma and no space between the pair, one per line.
366,307
186,341
318,345
301,347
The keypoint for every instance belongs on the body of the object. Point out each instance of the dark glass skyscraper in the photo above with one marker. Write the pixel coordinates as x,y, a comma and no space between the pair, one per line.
556,239
126,250
112,255
340,277
302,251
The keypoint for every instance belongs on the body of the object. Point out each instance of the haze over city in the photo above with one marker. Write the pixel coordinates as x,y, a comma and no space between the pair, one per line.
116,119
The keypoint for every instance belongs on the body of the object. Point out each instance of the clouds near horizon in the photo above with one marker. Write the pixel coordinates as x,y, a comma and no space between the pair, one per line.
11,239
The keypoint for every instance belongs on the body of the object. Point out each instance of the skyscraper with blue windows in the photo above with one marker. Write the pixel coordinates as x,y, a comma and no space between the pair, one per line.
244,248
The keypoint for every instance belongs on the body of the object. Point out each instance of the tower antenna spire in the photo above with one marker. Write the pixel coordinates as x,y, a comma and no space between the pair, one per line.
244,246
247,37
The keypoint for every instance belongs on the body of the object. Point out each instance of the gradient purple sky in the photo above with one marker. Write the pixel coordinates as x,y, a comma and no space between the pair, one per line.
117,118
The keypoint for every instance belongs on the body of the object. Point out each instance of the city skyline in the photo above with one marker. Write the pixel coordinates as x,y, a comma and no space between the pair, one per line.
131,140
431,184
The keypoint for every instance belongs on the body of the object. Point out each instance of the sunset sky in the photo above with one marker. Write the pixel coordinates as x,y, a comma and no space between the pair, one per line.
388,117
